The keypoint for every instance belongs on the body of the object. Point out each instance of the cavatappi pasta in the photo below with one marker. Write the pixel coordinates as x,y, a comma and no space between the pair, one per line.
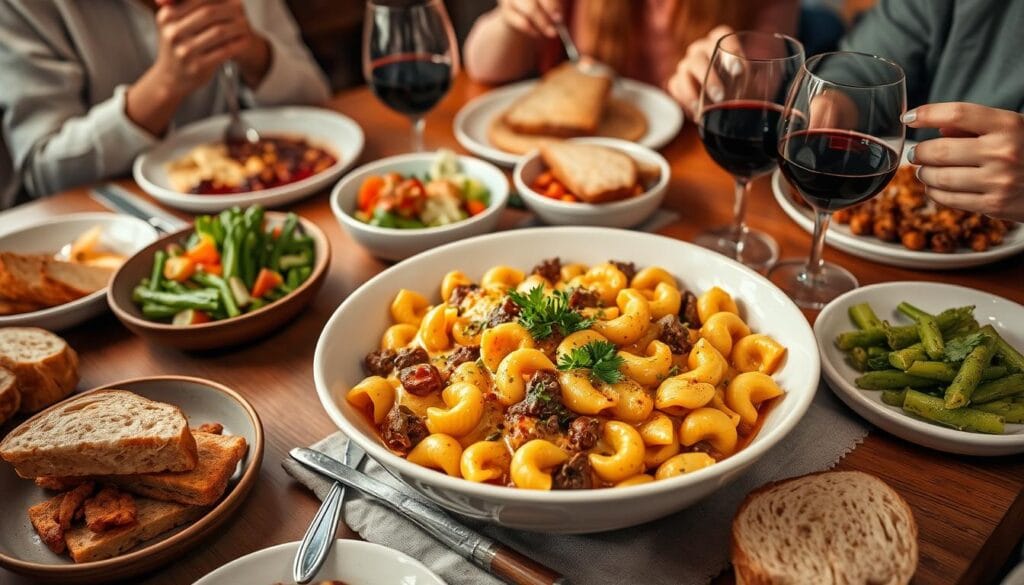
568,377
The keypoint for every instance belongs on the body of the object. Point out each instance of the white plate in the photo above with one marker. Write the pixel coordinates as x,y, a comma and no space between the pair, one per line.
664,117
122,234
1006,316
352,561
871,248
325,128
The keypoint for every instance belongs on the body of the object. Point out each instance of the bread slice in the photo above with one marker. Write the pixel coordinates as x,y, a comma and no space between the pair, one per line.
218,457
103,432
154,518
832,528
77,280
10,396
37,279
566,102
593,173
621,120
8,307
45,366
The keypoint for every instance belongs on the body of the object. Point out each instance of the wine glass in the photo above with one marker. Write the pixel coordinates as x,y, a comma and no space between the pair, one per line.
740,107
409,57
840,144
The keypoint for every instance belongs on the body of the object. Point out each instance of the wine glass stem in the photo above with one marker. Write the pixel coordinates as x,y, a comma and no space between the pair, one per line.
417,133
815,261
739,210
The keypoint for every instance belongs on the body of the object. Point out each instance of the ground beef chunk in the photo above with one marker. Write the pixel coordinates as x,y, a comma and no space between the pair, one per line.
674,334
402,429
583,433
421,379
582,297
460,292
627,268
506,312
543,399
550,269
410,356
688,310
574,474
380,362
461,355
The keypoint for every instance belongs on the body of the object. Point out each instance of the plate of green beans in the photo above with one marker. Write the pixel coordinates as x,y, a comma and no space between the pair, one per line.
935,364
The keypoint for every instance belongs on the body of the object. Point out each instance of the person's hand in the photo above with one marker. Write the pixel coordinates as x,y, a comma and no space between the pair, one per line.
536,18
686,82
978,163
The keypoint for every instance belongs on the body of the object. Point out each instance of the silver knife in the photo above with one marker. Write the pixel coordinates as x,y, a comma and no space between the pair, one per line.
475,547
123,201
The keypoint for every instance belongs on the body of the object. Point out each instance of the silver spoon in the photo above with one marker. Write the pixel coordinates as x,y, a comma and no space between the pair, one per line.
237,130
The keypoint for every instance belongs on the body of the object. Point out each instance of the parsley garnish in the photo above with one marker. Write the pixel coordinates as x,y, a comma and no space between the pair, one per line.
957,349
600,357
541,314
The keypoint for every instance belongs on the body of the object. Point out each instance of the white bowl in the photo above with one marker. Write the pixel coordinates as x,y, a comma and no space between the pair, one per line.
325,128
619,214
398,244
351,561
1006,316
356,326
122,234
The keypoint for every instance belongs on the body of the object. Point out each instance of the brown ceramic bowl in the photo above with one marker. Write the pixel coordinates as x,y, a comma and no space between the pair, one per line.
215,334
201,401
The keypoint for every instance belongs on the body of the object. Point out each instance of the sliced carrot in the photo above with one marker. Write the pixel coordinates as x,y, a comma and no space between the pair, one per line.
475,207
216,269
179,268
555,190
369,192
266,281
569,198
543,180
277,232
191,317
204,251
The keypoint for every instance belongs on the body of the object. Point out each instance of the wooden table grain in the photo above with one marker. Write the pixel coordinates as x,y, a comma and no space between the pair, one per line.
970,510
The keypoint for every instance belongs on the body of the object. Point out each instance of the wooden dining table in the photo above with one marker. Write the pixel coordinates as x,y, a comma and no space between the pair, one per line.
970,510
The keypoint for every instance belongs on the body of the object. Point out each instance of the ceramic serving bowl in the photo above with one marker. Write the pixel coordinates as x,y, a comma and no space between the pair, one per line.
122,234
225,332
621,214
356,326
398,244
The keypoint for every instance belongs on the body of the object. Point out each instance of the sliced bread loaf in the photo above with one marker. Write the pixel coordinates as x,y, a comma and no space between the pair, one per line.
566,102
591,172
45,366
832,528
103,432
10,396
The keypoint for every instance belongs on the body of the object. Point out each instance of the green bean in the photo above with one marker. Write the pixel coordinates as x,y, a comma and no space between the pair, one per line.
257,304
894,397
282,240
864,317
248,259
175,287
965,419
1010,386
1010,355
848,340
876,350
931,337
157,311
904,358
945,372
959,392
879,362
229,252
1012,411
891,380
858,359
204,300
911,311
157,273
292,279
304,273
223,290
295,260
902,336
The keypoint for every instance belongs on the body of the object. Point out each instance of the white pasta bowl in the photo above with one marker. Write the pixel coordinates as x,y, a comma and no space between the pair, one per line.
356,326
398,244
620,214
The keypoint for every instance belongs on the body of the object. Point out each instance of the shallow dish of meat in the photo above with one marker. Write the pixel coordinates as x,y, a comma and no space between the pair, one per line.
589,392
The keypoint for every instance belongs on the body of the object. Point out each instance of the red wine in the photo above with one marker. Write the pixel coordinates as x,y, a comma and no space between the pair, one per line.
741,135
835,169
411,84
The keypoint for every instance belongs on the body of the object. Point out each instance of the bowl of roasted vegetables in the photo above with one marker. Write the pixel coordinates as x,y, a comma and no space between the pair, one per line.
936,364
227,279
402,205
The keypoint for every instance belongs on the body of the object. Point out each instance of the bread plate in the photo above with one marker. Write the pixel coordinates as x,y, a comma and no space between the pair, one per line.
1005,315
201,401
377,565
356,326
664,117
122,234
324,128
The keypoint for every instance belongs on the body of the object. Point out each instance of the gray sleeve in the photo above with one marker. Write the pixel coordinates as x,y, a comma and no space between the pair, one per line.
293,77
56,142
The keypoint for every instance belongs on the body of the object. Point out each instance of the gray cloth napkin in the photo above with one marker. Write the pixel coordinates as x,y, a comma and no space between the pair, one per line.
691,546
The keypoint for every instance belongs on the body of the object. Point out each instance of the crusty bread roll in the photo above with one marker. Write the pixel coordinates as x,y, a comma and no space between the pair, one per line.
566,102
593,173
104,432
831,528
10,396
45,366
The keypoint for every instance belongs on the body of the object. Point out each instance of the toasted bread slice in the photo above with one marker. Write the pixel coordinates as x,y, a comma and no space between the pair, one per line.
10,396
103,432
593,173
8,307
829,528
566,102
45,366
218,457
153,519
621,120
23,279
78,280
44,517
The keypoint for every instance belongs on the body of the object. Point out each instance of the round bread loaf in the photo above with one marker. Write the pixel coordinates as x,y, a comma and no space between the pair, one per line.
831,528
10,396
45,366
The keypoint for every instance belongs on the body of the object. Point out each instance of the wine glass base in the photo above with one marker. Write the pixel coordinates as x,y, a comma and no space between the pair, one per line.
759,251
812,293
